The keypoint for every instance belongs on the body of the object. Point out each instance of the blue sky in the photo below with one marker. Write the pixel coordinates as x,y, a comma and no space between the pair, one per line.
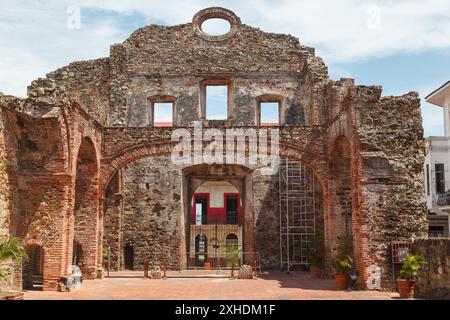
403,45
216,102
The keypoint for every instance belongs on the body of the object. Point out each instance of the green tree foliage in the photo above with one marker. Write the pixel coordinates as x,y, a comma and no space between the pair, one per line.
11,248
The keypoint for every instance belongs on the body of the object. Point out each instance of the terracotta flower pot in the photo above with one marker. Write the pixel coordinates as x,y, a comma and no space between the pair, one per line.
315,272
342,281
406,288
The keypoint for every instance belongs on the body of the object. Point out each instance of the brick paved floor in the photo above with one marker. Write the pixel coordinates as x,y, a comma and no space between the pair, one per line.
192,285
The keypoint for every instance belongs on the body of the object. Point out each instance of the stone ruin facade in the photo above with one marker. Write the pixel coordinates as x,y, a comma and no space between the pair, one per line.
82,165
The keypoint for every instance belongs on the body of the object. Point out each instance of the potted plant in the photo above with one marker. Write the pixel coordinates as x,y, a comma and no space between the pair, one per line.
343,263
315,254
411,269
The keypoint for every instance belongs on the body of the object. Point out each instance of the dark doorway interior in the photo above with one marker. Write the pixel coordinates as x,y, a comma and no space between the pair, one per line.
128,256
232,204
77,255
33,268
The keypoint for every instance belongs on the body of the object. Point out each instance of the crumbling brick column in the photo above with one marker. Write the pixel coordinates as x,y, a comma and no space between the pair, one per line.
390,188
113,227
113,208
41,220
86,212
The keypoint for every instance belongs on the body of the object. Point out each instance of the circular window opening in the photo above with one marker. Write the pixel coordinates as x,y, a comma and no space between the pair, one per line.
216,27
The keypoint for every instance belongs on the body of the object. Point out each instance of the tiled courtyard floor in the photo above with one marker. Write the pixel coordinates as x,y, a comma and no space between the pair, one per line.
189,285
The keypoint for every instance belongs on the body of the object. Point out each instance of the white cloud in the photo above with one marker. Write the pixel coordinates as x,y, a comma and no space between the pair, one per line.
34,38
343,30
106,29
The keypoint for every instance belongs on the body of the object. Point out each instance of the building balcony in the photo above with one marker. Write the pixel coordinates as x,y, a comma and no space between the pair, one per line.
443,199
217,219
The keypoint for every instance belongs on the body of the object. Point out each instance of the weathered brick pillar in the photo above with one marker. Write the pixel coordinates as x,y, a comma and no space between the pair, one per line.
87,234
101,201
391,197
249,220
87,218
112,237
340,212
44,199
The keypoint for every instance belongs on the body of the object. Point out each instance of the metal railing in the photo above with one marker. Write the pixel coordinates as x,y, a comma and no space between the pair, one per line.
222,260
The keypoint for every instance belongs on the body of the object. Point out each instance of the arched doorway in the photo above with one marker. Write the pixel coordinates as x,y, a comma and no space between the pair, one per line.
86,213
33,268
301,216
201,250
232,240
128,257
215,212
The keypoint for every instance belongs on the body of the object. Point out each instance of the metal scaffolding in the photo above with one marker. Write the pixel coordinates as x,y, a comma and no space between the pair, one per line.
297,212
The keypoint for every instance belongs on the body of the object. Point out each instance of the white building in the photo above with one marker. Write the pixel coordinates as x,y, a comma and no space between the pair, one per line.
437,169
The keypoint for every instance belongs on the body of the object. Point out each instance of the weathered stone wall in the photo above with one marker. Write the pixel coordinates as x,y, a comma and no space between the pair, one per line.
392,191
85,82
37,160
435,280
384,141
266,208
6,166
6,193
175,60
152,211
44,136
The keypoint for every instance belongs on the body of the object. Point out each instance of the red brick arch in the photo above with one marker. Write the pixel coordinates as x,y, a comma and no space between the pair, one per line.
110,165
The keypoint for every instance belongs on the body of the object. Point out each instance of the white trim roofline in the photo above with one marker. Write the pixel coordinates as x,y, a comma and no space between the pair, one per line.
438,96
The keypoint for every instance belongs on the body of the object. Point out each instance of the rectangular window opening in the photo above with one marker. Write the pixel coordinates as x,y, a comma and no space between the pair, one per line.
163,114
427,177
217,102
440,178
436,232
269,114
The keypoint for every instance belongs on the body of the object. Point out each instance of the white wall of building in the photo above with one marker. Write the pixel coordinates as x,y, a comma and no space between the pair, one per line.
216,190
438,152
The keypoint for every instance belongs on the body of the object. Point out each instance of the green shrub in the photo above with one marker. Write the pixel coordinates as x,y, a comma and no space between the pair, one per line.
11,248
412,267
315,252
232,256
343,261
